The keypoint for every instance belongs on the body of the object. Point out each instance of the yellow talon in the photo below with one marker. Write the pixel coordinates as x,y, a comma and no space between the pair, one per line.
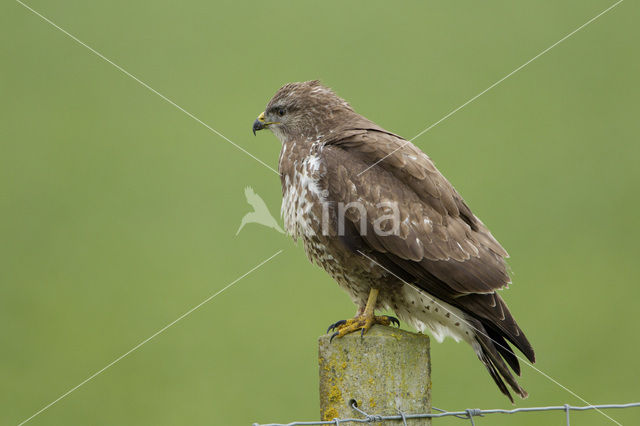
363,321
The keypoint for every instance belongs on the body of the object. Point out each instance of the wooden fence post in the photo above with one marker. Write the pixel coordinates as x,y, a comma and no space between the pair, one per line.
386,371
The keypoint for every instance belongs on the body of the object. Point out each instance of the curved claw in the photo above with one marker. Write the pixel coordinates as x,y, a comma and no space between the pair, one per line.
394,320
336,325
362,323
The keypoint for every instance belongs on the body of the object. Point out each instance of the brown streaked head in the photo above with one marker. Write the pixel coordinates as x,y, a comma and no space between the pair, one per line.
304,109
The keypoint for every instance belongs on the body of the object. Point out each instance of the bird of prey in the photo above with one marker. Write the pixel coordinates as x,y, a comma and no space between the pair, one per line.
374,212
260,213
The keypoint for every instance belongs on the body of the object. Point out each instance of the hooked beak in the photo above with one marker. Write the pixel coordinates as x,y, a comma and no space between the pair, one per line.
259,124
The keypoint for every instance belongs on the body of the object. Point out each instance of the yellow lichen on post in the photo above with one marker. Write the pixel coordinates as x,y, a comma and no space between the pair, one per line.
386,371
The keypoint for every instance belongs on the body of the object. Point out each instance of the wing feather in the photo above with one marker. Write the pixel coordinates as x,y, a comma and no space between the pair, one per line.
440,244
436,227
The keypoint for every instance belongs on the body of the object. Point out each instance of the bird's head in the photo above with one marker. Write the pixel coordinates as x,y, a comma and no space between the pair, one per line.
302,110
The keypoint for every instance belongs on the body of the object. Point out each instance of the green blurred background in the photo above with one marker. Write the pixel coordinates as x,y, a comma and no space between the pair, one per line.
119,212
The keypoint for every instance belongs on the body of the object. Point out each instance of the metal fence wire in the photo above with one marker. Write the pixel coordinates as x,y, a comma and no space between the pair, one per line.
467,415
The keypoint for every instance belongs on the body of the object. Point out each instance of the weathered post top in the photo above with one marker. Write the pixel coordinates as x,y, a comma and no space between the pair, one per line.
385,371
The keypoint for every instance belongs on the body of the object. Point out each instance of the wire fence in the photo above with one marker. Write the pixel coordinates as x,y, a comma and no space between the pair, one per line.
468,415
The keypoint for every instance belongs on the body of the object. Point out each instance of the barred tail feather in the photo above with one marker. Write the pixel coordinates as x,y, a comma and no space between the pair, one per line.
493,350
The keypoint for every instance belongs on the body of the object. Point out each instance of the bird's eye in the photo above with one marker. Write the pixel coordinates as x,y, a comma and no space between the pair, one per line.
280,111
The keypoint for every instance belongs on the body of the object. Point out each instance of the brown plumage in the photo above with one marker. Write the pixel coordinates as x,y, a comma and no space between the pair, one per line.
373,211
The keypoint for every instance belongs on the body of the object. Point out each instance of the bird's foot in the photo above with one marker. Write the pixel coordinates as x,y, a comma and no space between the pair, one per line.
362,323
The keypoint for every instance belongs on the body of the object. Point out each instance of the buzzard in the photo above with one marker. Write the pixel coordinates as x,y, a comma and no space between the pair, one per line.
374,212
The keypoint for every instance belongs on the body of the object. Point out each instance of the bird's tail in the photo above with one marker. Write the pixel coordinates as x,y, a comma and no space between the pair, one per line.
242,223
493,350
